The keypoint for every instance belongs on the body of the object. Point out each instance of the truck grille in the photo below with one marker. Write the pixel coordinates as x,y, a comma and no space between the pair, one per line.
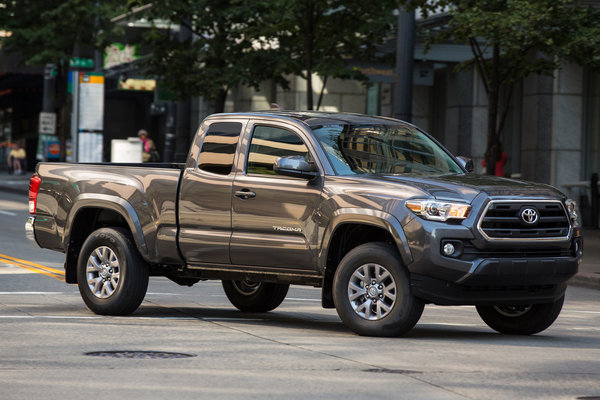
470,252
520,220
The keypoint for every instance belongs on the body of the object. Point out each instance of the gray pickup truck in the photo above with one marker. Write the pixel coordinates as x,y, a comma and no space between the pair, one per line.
372,210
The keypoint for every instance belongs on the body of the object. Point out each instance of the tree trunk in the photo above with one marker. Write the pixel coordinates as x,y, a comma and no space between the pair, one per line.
492,152
322,92
219,102
308,48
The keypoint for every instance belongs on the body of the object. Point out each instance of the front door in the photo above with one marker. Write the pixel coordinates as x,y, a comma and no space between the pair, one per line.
274,216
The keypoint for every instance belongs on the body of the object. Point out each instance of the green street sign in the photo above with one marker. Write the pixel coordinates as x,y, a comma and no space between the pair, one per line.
80,62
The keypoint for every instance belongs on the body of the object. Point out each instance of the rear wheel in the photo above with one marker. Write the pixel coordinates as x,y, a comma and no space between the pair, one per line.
371,291
111,275
521,319
253,296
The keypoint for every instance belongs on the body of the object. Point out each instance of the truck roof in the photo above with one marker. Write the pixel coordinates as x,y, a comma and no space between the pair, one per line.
318,118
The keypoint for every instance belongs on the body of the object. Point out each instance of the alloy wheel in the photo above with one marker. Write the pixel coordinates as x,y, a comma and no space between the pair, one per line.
246,288
513,311
372,291
103,272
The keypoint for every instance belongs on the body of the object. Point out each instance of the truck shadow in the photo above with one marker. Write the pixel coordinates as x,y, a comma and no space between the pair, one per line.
330,324
286,320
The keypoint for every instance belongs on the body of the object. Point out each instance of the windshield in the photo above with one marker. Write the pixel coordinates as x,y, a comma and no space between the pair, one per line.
383,149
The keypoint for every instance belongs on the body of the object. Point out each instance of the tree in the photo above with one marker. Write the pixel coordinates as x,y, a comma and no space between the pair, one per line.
512,39
244,42
321,36
51,31
223,49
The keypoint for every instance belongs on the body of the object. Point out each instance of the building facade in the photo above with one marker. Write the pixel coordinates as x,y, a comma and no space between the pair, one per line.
20,106
552,132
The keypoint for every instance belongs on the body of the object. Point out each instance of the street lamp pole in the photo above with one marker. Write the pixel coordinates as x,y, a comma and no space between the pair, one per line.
405,44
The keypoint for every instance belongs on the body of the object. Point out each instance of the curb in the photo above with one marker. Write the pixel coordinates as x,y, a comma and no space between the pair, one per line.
15,190
17,184
585,280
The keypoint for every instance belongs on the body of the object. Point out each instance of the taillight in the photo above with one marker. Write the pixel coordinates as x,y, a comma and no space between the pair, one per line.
34,186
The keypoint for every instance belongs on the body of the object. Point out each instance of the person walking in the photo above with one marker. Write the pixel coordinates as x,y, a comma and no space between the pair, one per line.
9,158
500,163
149,153
17,157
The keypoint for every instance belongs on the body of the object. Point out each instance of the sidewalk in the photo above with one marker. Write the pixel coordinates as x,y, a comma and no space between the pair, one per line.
18,184
589,269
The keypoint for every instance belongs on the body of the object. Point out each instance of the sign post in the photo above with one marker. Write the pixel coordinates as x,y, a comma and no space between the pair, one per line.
47,123
90,117
74,82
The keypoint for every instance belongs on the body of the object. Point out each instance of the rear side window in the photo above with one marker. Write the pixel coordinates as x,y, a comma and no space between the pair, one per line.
218,148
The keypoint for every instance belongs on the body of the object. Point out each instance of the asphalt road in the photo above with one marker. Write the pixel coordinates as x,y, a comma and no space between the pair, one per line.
190,343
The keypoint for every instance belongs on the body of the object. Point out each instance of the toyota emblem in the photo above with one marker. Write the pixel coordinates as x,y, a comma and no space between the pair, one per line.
530,216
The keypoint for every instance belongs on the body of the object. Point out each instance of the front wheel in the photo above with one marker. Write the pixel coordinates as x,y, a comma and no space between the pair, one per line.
250,296
371,291
111,275
521,319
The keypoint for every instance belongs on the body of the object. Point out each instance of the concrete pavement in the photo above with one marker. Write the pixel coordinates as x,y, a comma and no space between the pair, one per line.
589,269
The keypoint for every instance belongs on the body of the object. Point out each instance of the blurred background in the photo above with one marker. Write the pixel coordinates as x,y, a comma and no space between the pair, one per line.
508,83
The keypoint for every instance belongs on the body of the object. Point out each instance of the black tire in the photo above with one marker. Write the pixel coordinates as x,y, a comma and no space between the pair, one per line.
371,292
521,319
117,280
251,296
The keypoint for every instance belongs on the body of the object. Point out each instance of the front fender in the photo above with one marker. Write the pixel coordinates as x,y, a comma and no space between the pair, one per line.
364,216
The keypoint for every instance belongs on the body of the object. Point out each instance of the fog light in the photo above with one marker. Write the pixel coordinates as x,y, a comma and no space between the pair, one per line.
449,249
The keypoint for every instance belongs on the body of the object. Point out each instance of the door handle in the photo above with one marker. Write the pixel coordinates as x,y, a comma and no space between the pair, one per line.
245,194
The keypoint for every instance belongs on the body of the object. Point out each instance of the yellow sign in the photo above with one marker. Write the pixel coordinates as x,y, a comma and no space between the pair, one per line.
85,78
138,84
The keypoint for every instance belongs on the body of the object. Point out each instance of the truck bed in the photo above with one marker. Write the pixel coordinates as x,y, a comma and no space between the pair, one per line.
143,195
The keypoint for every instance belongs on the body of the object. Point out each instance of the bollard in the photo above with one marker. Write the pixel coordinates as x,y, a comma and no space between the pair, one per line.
169,148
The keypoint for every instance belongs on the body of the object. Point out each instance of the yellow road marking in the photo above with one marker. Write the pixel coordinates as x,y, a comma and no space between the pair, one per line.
33,267
37,271
54,270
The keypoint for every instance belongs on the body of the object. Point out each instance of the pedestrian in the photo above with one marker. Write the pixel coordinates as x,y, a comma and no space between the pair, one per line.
149,153
17,157
9,158
501,159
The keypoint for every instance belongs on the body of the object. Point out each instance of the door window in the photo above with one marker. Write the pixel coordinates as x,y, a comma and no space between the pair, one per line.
268,144
219,146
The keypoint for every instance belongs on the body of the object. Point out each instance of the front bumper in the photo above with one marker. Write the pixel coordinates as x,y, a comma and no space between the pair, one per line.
487,273
440,292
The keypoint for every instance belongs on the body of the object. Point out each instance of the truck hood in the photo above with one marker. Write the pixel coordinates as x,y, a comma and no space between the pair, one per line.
465,187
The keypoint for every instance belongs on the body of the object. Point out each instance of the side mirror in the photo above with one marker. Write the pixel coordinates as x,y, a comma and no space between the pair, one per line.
295,166
466,163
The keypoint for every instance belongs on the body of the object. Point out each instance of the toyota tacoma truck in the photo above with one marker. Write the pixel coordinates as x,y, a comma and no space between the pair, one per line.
372,210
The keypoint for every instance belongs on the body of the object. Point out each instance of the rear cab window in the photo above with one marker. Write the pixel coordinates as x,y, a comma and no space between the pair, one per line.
218,147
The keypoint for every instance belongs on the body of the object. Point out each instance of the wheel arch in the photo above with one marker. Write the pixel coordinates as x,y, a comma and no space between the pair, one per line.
90,214
372,292
351,228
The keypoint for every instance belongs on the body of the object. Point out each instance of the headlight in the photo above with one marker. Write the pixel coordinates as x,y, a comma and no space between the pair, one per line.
573,211
438,210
